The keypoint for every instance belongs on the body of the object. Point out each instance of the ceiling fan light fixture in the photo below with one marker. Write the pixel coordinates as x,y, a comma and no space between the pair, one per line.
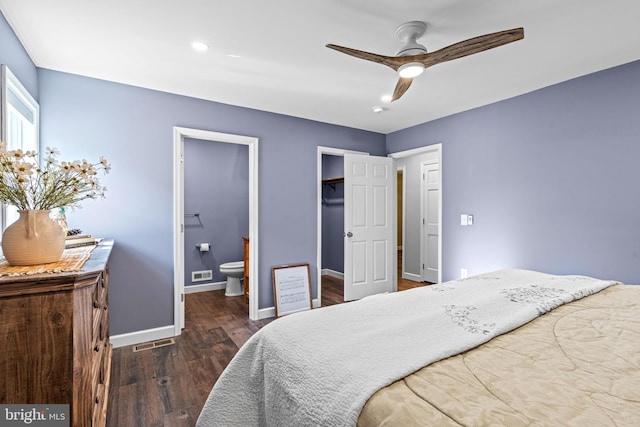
410,70
199,46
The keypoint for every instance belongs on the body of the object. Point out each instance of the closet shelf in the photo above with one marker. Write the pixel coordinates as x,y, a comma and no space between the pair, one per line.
333,181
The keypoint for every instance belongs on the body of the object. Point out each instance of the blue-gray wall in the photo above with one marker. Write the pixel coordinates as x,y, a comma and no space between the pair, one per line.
132,127
216,186
551,178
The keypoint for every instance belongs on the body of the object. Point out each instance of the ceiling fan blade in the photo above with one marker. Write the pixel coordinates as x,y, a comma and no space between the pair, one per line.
471,46
454,51
401,87
389,61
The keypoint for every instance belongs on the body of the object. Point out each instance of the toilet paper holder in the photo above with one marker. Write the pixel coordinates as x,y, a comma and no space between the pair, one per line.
203,247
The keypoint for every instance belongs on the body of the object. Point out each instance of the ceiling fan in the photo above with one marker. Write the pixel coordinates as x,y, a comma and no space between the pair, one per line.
413,58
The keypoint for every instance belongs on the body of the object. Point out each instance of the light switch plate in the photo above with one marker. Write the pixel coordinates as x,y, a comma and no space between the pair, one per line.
469,219
463,219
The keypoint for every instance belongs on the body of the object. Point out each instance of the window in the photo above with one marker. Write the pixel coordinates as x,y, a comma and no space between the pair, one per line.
19,122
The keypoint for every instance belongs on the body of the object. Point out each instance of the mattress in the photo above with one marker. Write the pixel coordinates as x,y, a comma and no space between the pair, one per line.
578,365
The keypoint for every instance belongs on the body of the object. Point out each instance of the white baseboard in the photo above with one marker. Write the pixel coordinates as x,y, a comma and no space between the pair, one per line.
204,287
332,273
131,338
265,313
412,277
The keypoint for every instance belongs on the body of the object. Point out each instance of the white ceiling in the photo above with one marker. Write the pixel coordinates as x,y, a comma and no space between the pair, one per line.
280,62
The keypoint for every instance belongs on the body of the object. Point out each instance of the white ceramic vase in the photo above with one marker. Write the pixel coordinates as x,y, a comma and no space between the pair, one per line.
33,239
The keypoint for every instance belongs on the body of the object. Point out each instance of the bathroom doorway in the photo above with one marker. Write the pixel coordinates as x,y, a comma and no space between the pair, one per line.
216,212
184,219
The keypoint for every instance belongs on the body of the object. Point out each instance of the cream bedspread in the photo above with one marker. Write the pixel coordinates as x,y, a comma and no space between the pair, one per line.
319,367
578,365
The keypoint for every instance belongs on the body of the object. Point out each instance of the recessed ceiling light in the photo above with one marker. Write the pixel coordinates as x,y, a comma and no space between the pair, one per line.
200,46
377,109
386,98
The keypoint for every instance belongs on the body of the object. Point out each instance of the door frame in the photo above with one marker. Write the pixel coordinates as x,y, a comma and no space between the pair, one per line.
404,211
317,302
437,148
179,135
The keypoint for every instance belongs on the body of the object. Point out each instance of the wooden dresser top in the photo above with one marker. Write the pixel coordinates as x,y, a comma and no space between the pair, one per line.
53,282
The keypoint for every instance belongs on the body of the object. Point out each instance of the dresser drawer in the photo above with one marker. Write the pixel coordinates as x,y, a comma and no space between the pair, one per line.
101,392
97,359
97,324
99,291
100,370
100,329
100,307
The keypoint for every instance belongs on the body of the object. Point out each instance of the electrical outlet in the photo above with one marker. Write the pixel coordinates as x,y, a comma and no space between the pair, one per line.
464,273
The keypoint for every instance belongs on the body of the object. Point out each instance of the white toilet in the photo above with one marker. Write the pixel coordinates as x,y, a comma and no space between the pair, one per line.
234,272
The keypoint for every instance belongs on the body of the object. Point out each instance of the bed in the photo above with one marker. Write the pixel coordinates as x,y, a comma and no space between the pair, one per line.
511,347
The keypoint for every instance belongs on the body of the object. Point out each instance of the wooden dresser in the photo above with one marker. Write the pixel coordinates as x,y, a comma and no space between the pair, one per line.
55,339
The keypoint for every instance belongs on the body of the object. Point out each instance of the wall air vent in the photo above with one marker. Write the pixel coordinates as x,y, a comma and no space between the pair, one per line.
200,276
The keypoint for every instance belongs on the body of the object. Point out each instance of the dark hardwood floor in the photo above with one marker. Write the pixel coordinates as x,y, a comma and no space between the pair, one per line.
167,386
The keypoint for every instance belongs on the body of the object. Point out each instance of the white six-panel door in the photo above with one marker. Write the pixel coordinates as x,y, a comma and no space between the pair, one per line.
370,248
430,221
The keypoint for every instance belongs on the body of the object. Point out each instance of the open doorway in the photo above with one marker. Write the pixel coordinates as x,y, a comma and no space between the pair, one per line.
329,163
365,222
216,218
332,220
180,134
421,168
